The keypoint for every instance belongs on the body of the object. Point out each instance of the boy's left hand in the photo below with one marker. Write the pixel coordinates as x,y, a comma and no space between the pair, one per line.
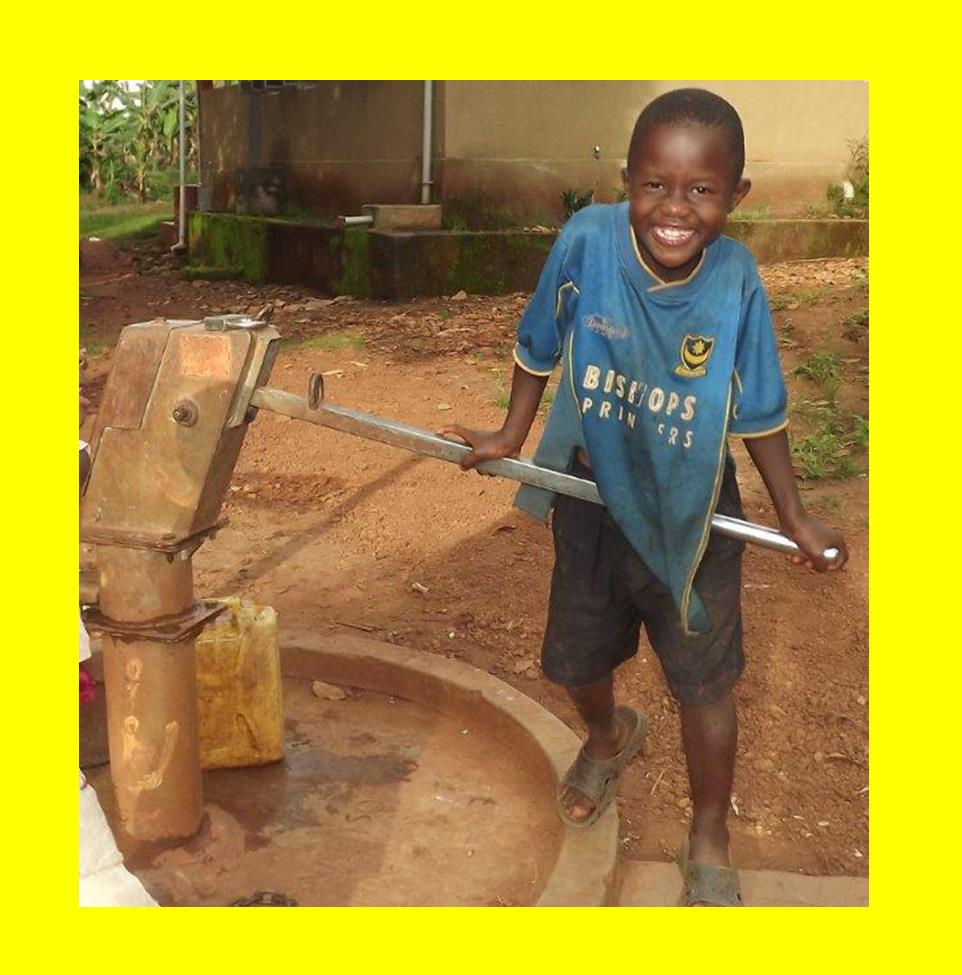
813,537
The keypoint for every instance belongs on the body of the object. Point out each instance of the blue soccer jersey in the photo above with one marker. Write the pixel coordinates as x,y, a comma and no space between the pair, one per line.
655,375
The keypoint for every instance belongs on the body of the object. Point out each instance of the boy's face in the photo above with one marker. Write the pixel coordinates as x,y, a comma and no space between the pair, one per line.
681,189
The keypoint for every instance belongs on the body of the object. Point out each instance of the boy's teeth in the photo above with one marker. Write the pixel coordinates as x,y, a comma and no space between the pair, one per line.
673,233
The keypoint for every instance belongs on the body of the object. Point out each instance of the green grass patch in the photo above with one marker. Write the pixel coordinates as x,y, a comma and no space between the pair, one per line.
798,299
812,212
832,438
502,395
333,342
128,222
823,368
751,213
786,335
856,325
93,345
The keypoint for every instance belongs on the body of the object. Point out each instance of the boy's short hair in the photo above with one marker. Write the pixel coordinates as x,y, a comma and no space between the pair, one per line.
691,106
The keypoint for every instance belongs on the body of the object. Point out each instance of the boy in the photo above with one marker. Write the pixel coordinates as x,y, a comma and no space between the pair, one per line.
666,343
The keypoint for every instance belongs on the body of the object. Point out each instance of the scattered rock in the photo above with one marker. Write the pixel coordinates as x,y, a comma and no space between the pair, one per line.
329,692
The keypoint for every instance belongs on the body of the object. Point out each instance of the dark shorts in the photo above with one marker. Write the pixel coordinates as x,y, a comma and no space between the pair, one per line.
602,592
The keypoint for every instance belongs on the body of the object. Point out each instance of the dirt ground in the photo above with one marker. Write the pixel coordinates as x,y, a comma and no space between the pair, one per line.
336,532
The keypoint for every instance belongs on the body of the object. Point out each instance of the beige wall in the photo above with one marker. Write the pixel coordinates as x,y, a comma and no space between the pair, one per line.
327,148
518,144
504,151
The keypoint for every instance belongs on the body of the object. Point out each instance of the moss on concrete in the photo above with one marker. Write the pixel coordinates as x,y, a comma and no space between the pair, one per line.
355,249
203,273
225,240
476,269
794,240
401,265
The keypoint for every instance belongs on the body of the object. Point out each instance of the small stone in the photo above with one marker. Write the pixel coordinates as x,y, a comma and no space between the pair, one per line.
443,406
765,765
683,802
861,700
819,757
459,296
329,692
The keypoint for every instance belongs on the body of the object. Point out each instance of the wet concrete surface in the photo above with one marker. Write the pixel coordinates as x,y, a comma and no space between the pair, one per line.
378,801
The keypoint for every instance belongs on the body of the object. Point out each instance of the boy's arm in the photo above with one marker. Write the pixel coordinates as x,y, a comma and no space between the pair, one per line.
771,456
526,390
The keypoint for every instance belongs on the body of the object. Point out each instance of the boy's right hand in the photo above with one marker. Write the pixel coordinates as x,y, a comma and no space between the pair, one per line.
484,444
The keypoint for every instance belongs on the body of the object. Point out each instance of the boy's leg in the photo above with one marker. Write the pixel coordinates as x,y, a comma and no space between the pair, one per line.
701,671
606,736
591,629
710,736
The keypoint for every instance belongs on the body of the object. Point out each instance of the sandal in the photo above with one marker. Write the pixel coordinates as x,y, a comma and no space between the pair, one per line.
707,883
597,778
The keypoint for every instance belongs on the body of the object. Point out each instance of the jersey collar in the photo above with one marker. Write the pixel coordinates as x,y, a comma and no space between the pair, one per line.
642,277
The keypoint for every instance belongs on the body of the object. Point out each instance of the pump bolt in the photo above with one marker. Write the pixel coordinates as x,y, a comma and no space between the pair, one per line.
185,413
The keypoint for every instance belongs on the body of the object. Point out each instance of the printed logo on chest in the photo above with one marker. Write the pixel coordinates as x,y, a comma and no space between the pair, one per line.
694,353
604,326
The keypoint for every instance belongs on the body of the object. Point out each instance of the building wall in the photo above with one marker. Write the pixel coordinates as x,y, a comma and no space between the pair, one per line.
324,149
512,147
504,151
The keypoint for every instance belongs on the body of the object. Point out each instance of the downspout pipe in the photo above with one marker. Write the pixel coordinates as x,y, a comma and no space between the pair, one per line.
426,181
181,244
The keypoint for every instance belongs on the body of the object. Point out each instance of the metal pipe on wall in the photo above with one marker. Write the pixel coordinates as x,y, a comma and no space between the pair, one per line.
182,221
426,142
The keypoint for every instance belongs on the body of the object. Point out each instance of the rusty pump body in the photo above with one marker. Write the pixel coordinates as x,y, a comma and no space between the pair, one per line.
168,433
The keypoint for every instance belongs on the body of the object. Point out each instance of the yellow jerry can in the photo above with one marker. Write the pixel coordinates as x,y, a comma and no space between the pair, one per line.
240,703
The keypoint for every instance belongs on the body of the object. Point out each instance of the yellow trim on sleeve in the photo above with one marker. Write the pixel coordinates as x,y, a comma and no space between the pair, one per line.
528,369
557,305
761,433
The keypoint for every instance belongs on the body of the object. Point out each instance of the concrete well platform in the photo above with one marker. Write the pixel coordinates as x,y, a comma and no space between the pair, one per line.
429,783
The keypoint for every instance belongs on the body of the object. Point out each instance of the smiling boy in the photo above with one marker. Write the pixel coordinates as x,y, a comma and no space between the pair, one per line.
667,348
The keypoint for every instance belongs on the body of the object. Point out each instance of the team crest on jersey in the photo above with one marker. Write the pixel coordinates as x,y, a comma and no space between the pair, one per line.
695,352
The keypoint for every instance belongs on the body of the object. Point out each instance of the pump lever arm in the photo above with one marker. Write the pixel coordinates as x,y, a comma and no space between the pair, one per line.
516,469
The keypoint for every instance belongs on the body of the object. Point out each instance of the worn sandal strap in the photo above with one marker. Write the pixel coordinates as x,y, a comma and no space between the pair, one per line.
591,776
709,883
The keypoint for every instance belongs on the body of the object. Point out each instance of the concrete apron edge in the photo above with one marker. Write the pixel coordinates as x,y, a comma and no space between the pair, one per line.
586,872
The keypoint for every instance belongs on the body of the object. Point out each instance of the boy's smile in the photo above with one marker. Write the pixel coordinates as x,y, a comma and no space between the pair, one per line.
681,189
